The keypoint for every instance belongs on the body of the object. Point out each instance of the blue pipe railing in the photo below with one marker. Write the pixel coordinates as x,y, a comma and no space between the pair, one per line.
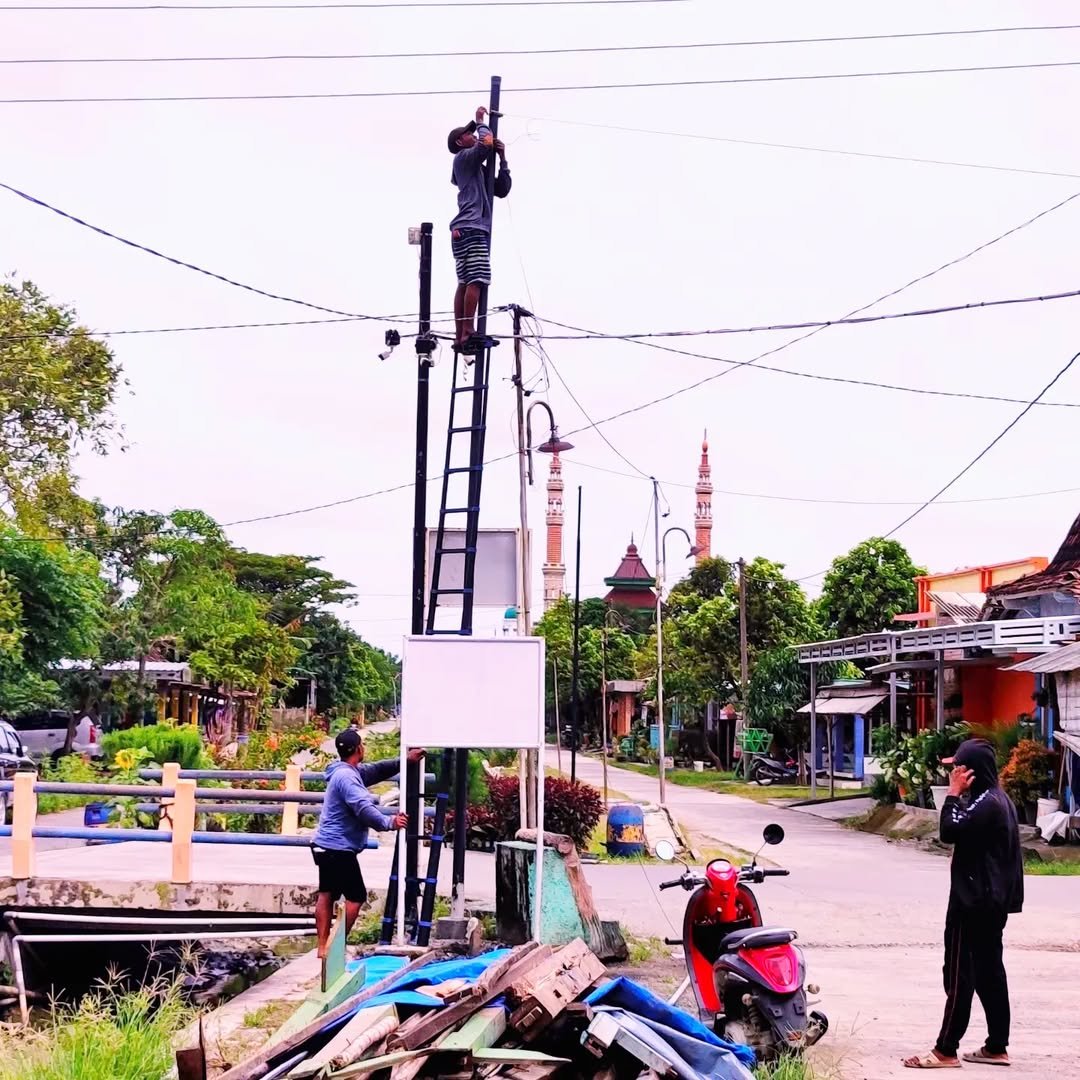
147,792
152,836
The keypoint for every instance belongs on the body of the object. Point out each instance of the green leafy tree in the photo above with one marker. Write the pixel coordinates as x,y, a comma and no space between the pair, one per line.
557,629
350,674
867,587
292,585
52,607
708,580
57,387
701,636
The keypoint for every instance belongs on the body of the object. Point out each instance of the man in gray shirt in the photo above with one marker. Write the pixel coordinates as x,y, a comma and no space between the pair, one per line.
470,231
349,811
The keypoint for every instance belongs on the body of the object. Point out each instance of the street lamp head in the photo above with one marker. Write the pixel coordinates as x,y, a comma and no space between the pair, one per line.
554,444
694,550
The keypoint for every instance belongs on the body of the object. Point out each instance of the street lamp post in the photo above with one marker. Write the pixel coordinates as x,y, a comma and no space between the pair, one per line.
552,445
661,559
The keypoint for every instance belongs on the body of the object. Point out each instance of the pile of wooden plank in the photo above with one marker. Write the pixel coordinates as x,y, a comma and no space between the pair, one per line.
522,1019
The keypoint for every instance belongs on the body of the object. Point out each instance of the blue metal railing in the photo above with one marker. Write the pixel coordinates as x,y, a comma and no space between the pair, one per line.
152,836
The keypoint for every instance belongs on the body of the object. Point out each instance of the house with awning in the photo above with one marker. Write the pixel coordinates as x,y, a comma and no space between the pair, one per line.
847,706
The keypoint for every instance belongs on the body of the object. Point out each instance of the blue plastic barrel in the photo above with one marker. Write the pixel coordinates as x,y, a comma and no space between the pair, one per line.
97,813
625,829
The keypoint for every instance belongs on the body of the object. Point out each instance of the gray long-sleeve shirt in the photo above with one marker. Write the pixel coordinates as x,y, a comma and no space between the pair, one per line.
474,208
349,809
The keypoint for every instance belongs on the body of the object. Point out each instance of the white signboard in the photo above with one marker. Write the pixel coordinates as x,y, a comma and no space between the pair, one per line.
469,692
498,567
473,692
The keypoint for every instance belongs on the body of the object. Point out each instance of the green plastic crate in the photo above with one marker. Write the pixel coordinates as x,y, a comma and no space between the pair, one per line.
755,740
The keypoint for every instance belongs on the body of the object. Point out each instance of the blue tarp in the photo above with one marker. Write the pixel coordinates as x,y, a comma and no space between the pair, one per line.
403,992
693,1050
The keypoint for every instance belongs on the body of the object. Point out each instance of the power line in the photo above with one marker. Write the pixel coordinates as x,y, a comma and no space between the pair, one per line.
824,501
374,6
548,362
821,324
577,50
178,262
987,448
754,361
655,85
402,317
799,146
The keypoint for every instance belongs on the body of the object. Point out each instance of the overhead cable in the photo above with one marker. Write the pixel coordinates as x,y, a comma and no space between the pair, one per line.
798,146
179,262
373,5
987,448
576,88
564,51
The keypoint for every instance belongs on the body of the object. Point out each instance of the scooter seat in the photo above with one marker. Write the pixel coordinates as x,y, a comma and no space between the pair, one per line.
758,937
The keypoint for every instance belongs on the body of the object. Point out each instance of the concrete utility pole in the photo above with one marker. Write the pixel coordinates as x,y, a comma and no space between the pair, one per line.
744,660
575,704
661,745
526,783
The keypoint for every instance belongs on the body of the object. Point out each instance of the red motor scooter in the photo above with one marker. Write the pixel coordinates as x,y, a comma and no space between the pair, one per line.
749,979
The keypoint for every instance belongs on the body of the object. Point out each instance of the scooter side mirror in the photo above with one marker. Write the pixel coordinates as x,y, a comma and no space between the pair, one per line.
773,834
665,850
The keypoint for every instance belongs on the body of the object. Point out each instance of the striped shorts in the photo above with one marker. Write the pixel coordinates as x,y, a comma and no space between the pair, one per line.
472,256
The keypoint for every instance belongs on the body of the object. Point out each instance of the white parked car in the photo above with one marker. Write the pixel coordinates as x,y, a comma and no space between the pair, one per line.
12,758
44,731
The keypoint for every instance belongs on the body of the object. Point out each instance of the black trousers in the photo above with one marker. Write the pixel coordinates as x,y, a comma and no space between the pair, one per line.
973,965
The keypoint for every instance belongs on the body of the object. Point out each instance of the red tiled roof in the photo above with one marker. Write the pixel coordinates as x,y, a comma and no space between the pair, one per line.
631,569
1061,575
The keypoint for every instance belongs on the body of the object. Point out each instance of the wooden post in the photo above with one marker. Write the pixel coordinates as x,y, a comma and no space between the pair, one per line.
24,814
290,816
170,776
193,708
183,814
162,711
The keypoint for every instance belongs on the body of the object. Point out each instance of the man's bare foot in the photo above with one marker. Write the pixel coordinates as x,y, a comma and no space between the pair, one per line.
321,953
933,1060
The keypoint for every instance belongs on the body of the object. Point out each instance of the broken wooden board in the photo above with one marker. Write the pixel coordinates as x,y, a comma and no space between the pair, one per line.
542,994
508,1056
333,964
386,1061
362,1032
422,1030
483,1029
321,1002
257,1065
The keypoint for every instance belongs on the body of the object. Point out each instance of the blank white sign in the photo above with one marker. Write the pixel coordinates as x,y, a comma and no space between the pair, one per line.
498,565
473,692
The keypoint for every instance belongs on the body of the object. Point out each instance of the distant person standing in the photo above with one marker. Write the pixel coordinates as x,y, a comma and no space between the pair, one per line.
349,812
979,820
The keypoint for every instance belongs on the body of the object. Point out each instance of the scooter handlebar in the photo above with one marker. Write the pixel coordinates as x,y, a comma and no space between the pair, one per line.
776,873
676,884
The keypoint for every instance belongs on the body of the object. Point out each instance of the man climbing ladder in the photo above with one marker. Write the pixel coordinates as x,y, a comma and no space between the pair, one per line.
470,231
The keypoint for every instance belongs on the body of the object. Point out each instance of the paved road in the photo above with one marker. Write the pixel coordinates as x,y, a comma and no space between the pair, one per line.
870,915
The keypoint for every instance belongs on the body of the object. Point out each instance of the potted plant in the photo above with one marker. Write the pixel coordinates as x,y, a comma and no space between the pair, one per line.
1028,776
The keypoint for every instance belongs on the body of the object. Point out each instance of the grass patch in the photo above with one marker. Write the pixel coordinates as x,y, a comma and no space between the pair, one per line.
726,783
112,1034
1058,868
787,1069
642,950
269,1017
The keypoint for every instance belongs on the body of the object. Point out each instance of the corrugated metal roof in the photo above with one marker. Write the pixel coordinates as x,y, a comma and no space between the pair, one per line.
1067,658
1062,575
846,706
961,606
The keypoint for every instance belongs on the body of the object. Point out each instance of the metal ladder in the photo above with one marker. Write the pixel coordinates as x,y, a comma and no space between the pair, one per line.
472,399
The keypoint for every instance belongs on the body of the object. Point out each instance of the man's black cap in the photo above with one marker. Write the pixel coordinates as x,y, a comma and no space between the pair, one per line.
452,138
347,742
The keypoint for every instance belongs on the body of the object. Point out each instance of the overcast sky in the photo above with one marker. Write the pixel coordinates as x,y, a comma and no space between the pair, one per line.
614,230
